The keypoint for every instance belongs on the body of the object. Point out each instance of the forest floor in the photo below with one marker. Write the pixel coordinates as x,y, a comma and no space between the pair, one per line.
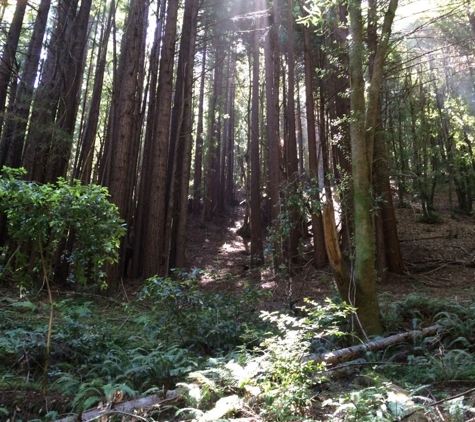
439,262
439,259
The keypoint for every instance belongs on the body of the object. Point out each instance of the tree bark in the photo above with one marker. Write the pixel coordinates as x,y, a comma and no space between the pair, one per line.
198,172
272,65
257,251
181,143
362,132
83,170
365,298
319,252
156,159
291,157
72,69
7,61
37,157
136,240
121,149
11,151
350,353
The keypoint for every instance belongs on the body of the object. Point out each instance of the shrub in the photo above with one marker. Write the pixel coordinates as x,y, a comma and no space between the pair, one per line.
41,218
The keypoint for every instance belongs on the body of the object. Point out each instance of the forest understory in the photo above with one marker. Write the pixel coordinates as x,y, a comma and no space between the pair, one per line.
440,268
439,259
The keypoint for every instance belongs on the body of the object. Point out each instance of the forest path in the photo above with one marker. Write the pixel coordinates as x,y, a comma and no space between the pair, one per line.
439,259
222,255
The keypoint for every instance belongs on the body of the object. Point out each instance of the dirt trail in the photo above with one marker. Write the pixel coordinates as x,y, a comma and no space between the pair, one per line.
439,259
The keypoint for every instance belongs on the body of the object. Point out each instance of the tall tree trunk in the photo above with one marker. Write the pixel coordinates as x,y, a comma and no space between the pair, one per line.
11,150
388,254
69,97
122,142
291,157
211,177
154,167
257,251
339,109
198,172
181,143
7,60
230,188
86,155
272,67
136,244
362,131
37,157
53,118
319,251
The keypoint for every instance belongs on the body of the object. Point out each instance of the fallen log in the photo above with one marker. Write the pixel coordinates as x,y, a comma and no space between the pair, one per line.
353,352
125,408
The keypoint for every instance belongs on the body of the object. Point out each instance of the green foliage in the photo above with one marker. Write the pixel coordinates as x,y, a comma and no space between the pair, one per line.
301,200
41,217
189,316
275,378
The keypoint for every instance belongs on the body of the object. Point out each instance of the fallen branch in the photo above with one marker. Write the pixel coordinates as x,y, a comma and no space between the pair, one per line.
350,353
124,408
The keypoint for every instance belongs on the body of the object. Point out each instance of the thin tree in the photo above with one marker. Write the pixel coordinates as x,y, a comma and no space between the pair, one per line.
257,251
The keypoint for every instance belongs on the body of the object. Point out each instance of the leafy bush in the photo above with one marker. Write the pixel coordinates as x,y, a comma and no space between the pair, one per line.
193,318
40,217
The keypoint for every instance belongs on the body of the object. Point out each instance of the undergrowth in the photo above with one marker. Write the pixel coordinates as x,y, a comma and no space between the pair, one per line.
227,360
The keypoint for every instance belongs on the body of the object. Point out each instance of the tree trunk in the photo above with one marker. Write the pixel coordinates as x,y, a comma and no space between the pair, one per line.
83,169
122,143
339,110
69,96
362,132
181,143
291,157
272,66
154,168
211,170
37,157
136,240
7,61
350,353
388,256
257,251
319,252
11,151
198,172
365,277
